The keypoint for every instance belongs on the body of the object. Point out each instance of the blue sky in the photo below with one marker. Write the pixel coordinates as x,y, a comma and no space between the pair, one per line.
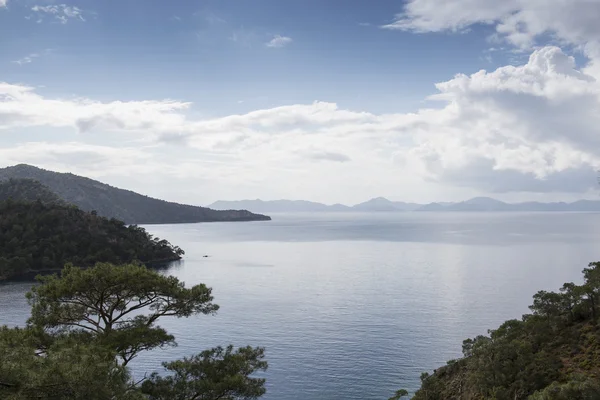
90,80
213,53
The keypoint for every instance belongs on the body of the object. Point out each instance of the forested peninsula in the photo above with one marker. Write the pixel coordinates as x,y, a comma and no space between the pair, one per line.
39,233
124,205
551,354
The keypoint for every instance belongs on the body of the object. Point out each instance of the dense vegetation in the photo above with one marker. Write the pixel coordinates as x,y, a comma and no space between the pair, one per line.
36,237
125,205
87,325
27,190
551,354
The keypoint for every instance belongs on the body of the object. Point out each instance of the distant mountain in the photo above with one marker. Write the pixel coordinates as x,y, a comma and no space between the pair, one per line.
124,205
275,206
583,205
489,205
479,204
383,204
432,207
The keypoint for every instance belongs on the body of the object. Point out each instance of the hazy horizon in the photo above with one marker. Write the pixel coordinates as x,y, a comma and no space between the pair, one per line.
395,201
346,204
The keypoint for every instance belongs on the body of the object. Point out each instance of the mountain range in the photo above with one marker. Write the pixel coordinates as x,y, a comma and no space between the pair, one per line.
485,204
125,205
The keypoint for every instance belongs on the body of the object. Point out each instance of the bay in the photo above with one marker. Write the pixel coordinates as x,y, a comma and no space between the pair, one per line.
355,306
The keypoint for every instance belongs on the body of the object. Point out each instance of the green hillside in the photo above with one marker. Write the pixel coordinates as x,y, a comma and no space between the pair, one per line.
37,237
551,354
125,205
27,190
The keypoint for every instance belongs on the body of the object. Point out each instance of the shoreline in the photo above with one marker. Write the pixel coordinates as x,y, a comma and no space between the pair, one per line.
29,276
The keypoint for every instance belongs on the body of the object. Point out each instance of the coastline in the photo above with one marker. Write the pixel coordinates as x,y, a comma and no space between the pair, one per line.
29,276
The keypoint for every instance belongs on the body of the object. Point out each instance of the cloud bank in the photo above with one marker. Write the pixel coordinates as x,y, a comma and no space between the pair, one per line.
534,127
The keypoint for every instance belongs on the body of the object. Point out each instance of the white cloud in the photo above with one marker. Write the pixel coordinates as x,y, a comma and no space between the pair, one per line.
27,59
533,127
526,24
279,41
3,3
61,12
538,120
21,106
63,154
520,22
31,57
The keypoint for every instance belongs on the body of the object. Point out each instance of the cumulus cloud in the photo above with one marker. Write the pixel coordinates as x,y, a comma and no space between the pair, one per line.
21,106
61,12
3,3
86,158
279,41
533,127
538,120
520,22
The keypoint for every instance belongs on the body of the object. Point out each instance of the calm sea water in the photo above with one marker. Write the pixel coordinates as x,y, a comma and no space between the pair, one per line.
355,306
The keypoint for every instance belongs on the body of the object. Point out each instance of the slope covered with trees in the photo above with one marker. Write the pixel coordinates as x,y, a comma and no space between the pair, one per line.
125,205
87,325
27,190
551,354
38,237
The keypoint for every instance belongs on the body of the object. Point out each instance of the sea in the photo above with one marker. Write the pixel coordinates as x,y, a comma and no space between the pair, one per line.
356,306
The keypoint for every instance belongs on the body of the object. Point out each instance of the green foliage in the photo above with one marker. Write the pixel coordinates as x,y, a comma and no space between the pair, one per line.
551,354
587,389
87,324
39,237
118,305
67,369
399,394
213,374
125,205
27,190
547,304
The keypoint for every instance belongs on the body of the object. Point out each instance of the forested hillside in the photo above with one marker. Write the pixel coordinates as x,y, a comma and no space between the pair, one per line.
86,326
551,354
27,190
37,237
125,205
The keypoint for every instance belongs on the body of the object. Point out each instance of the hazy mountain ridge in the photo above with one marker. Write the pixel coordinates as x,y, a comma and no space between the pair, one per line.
381,204
277,206
124,205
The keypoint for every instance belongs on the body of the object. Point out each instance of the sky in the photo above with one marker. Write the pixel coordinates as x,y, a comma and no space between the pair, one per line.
323,100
